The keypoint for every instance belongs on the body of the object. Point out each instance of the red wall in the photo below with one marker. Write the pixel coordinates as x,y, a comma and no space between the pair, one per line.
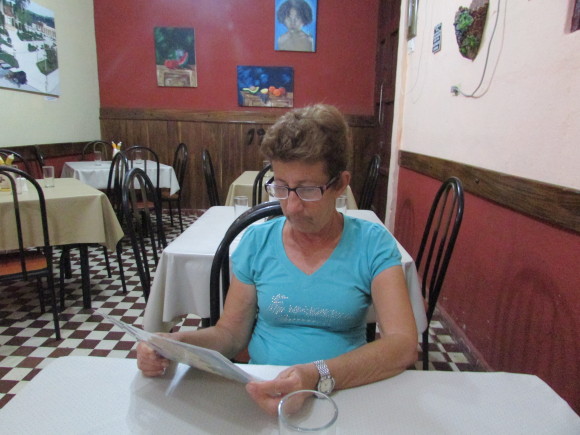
512,285
230,33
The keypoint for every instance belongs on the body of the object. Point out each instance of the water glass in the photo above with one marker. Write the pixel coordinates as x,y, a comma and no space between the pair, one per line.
138,157
241,204
341,204
98,157
48,175
307,411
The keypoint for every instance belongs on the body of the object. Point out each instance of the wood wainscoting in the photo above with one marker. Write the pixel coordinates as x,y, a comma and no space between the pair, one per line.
556,205
232,138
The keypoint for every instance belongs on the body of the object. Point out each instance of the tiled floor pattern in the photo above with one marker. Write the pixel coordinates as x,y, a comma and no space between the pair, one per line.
27,341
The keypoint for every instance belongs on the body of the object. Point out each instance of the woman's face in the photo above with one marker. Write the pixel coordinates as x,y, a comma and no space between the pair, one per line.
293,20
306,216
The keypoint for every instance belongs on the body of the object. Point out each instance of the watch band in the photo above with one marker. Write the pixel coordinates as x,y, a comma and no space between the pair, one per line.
326,381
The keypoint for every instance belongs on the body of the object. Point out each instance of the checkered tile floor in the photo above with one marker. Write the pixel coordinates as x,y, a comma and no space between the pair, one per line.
27,343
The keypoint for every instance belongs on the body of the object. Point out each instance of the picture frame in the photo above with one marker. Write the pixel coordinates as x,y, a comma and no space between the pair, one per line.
295,25
28,49
265,86
175,59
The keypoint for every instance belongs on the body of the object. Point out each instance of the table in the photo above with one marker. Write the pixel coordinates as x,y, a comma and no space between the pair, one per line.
181,282
109,395
77,214
244,186
89,172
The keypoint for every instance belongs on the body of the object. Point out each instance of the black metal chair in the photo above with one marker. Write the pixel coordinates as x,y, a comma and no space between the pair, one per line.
19,160
25,263
96,145
143,225
150,161
180,161
40,161
258,188
437,243
370,184
221,261
209,174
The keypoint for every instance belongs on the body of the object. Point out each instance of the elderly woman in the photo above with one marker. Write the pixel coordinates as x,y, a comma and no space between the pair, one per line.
303,283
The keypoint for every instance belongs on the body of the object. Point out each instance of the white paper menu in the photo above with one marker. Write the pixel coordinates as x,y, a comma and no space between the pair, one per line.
199,357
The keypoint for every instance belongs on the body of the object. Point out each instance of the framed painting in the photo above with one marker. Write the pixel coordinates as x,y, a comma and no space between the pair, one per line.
175,57
265,86
28,48
295,25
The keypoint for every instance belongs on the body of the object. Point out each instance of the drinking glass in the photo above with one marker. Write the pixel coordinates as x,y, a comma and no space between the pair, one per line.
138,157
98,157
307,411
341,204
48,175
241,204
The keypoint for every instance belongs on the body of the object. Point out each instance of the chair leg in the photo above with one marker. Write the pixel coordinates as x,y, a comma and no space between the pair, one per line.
40,296
107,262
120,262
425,348
50,284
180,218
170,212
61,268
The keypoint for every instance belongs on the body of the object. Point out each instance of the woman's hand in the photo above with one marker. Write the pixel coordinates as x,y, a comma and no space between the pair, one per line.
149,361
268,394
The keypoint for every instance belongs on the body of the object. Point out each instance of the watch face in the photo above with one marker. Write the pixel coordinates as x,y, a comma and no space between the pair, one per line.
326,385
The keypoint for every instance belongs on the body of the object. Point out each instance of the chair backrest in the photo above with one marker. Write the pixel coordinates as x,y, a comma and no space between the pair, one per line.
96,145
257,189
438,240
144,226
19,160
180,162
22,223
209,174
148,155
119,168
220,267
370,184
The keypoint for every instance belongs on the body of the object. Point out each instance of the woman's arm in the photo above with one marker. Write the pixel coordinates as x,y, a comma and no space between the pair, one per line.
229,336
388,356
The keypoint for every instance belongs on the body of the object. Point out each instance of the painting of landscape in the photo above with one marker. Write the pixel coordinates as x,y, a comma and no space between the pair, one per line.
28,49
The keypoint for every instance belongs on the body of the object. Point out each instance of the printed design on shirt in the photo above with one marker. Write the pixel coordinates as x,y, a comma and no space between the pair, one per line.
289,313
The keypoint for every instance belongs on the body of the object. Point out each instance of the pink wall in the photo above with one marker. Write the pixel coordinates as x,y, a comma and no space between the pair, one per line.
230,33
512,285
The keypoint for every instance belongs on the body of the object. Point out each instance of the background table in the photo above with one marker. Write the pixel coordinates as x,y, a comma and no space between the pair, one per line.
181,283
77,214
109,395
244,185
89,172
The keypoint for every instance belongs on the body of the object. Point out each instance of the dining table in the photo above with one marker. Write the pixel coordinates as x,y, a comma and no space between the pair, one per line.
77,215
181,282
84,394
96,173
244,186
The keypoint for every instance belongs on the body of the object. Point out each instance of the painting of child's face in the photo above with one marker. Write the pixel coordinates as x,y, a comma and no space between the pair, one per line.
293,20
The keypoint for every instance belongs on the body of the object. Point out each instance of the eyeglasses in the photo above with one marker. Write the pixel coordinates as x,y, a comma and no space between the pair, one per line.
305,193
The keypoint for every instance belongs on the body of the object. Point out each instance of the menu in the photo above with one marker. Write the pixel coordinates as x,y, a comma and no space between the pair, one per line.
199,357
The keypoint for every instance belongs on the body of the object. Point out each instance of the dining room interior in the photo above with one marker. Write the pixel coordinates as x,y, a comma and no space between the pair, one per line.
505,122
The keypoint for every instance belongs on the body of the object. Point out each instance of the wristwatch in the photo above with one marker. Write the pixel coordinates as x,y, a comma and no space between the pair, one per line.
326,381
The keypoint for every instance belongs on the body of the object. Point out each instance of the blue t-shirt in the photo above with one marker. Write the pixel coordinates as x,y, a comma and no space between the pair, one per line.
303,318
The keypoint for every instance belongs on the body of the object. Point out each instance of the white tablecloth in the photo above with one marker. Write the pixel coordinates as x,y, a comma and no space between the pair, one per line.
93,174
108,395
181,283
244,184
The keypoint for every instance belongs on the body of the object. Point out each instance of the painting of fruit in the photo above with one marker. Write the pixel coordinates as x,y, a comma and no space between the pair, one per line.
265,86
175,56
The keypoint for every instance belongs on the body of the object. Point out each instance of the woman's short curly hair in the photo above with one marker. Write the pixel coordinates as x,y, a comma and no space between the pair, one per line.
310,134
302,8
